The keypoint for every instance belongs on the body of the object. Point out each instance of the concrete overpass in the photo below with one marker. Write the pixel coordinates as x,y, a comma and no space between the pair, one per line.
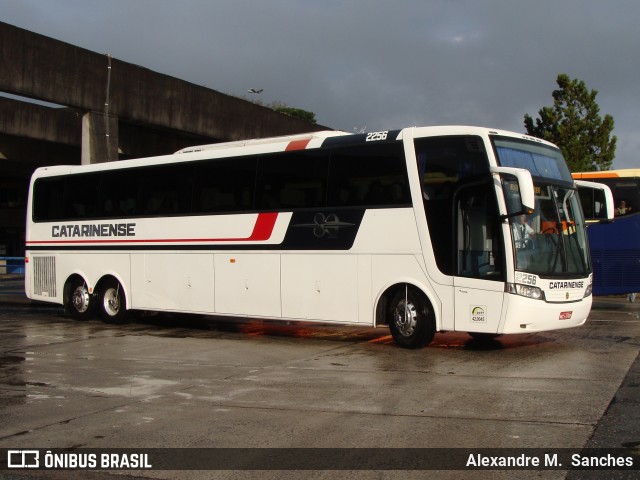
103,109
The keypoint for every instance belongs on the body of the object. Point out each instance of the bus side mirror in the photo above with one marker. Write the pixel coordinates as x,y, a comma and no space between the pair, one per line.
525,185
605,192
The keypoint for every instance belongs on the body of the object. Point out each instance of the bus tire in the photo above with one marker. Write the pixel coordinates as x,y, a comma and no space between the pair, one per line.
112,303
411,319
79,302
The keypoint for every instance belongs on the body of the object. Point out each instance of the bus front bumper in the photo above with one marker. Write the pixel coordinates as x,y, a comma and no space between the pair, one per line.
528,315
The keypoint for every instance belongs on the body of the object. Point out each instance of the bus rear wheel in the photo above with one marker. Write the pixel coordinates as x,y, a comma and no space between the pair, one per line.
79,301
112,302
411,319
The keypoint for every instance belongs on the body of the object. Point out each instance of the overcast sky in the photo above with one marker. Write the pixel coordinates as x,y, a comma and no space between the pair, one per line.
374,64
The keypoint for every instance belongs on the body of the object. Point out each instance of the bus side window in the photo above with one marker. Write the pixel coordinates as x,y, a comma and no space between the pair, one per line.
292,180
364,177
48,199
120,193
588,202
625,196
224,185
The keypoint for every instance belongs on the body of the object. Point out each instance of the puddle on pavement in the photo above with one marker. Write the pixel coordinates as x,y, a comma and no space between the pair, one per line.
10,360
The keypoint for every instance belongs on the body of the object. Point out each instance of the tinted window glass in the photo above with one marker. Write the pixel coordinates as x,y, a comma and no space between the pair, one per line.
625,190
224,185
593,203
446,165
48,197
541,160
81,197
119,193
363,176
292,180
368,176
72,197
165,190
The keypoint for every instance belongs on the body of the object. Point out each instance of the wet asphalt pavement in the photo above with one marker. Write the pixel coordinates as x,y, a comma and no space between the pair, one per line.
179,381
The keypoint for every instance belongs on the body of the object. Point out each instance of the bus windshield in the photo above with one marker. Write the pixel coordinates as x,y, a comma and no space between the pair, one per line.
543,161
549,242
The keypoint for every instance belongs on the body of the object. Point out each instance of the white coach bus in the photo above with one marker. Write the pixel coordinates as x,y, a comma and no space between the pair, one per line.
422,230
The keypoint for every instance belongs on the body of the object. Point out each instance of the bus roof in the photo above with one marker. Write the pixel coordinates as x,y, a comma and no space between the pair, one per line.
303,137
625,172
301,141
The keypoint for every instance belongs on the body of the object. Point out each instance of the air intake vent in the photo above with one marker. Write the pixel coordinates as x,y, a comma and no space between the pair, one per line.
44,276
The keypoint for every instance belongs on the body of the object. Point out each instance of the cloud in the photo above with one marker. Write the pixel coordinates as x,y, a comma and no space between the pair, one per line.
383,64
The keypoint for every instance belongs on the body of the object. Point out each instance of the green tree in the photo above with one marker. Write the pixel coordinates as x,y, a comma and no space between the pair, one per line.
574,124
294,112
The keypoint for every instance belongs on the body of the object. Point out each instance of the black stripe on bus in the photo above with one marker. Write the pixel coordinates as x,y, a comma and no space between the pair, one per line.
309,230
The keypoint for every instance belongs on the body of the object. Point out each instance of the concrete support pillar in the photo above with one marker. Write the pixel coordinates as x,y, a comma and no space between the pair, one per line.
99,138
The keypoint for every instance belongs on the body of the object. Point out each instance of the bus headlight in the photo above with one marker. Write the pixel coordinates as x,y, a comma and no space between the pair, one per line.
525,291
587,292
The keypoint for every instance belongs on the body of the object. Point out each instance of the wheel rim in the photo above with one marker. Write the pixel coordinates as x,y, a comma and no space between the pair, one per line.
111,302
405,318
80,299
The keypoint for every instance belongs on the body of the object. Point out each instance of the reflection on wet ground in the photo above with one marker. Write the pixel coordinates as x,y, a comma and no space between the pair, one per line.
194,380
201,326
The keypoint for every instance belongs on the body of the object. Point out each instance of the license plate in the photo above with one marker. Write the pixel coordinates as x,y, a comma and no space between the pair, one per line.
565,315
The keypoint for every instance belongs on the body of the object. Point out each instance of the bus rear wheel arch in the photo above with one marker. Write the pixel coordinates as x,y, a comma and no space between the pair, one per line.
410,316
111,301
78,300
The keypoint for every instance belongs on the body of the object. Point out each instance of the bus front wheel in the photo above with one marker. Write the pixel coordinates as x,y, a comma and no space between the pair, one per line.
112,302
411,319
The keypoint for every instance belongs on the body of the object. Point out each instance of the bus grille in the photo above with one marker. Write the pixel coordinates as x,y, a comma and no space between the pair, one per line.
44,276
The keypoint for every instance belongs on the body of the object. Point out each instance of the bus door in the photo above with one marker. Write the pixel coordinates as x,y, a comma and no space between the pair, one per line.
479,272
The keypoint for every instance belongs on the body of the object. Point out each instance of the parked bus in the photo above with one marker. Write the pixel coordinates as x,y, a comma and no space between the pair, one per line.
615,247
421,230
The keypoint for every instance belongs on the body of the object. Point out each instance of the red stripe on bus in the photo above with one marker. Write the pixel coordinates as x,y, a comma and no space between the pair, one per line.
262,230
297,145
